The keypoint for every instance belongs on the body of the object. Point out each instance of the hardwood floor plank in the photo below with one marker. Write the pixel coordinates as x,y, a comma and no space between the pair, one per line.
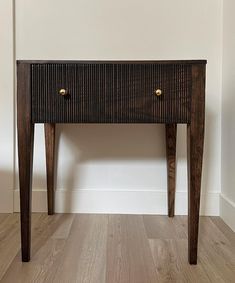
217,253
4,216
164,227
84,256
170,257
40,268
115,249
62,231
217,240
224,228
43,249
9,241
129,258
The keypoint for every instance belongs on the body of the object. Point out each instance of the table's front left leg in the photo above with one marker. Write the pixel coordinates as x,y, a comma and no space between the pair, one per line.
25,154
171,131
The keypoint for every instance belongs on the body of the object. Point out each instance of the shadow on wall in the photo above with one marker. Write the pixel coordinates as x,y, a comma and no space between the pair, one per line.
107,142
77,144
114,141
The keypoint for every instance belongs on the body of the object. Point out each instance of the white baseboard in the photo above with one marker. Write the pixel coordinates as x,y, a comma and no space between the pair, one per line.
118,201
227,211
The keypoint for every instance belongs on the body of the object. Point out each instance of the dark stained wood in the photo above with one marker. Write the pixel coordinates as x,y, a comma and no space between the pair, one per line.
50,162
171,131
25,154
111,92
195,141
165,62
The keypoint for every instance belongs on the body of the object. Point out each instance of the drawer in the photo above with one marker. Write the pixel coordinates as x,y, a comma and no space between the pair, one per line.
111,93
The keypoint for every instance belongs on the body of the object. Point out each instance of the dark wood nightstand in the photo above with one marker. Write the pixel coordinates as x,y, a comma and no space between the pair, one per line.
168,92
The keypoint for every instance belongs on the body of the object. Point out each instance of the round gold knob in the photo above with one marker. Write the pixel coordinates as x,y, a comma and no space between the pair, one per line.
63,92
158,92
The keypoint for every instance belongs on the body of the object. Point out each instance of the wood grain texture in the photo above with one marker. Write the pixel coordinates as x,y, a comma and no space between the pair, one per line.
220,250
195,141
87,244
160,62
163,227
25,153
9,240
171,132
115,248
171,267
45,247
224,228
128,253
111,93
50,164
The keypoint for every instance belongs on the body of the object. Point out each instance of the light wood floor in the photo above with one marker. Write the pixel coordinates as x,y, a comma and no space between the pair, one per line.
115,248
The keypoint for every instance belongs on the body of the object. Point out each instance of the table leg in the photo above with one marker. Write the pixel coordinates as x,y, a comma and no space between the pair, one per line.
25,154
50,161
195,140
171,131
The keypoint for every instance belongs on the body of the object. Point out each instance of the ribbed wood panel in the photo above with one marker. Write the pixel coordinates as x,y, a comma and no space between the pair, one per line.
111,93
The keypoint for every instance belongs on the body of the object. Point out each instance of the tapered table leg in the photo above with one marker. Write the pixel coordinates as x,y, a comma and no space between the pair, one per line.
25,154
50,161
195,140
171,131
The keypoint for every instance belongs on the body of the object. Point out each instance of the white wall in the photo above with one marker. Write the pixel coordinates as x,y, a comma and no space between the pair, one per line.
121,168
228,117
6,107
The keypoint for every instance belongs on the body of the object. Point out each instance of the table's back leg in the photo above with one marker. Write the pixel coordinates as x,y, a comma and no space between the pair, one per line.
195,140
171,132
50,162
25,154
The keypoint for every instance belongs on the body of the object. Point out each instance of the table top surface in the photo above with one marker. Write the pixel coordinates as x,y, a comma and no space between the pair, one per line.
112,61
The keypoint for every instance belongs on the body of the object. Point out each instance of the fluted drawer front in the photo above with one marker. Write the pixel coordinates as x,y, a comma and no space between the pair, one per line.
111,93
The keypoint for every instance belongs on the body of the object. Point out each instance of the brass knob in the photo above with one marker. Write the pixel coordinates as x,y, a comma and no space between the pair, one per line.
63,92
158,92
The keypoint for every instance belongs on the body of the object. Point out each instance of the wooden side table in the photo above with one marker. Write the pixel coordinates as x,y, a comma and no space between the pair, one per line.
168,92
